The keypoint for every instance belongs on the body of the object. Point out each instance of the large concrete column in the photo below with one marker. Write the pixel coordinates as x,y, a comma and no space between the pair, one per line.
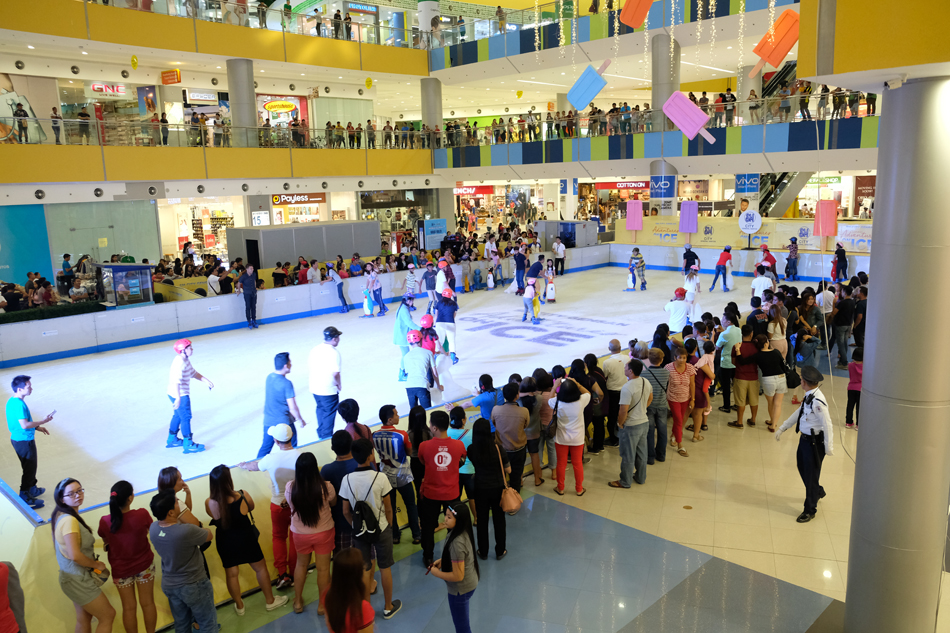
662,189
743,85
902,478
665,74
431,101
562,103
243,103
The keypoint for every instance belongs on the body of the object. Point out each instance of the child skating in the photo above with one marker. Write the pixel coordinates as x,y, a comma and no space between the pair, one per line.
638,265
550,292
531,304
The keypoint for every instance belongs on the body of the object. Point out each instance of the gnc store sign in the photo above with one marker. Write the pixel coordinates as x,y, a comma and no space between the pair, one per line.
485,190
623,184
106,91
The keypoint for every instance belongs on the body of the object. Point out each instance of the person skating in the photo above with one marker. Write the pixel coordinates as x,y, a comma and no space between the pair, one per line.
22,433
445,310
403,325
280,404
326,363
428,279
334,276
690,258
179,392
638,265
816,441
536,272
721,268
791,273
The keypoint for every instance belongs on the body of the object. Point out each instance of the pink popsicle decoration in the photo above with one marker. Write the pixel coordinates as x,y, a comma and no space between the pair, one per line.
634,215
689,216
826,219
687,116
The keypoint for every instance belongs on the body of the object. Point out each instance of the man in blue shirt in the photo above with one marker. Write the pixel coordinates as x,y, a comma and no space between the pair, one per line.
247,284
22,432
280,404
535,272
625,122
68,273
334,472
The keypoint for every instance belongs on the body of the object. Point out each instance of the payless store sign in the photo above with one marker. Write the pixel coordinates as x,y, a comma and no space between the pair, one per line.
298,198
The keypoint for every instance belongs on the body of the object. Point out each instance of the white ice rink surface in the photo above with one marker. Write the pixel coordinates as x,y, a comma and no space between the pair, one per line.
112,411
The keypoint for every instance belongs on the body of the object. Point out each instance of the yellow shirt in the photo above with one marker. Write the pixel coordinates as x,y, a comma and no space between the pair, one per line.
66,524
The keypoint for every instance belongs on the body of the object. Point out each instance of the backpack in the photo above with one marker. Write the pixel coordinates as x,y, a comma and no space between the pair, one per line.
365,521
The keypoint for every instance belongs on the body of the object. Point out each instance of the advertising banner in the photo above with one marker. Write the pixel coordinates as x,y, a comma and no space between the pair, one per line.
855,237
24,243
663,194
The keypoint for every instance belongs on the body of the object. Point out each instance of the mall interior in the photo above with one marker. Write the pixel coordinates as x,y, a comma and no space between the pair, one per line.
146,138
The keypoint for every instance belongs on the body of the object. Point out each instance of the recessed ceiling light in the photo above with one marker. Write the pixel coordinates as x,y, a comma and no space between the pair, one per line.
218,67
562,73
728,48
302,75
339,77
30,47
85,53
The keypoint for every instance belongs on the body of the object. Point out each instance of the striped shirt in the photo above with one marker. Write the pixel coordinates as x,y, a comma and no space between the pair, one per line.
678,390
659,379
179,377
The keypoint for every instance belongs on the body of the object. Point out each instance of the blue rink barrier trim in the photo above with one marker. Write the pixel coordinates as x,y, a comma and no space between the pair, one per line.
706,271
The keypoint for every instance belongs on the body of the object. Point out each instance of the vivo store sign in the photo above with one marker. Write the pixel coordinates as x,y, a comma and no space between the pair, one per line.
103,91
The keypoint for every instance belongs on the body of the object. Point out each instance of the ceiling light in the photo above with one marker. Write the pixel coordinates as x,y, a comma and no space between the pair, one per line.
728,48
85,53
543,83
30,47
218,67
723,70
624,77
562,74
338,77
262,71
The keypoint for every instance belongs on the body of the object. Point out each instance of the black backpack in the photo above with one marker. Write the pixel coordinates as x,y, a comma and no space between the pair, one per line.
365,521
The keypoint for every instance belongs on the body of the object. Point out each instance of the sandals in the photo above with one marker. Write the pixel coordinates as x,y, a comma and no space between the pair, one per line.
560,491
704,428
614,484
689,428
771,429
698,438
538,483
751,422
581,493
673,442
683,452
736,425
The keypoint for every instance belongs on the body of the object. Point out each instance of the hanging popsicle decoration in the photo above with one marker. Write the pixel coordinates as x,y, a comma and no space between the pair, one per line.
687,116
635,12
588,86
775,44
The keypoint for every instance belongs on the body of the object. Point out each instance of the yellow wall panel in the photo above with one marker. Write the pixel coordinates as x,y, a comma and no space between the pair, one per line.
313,163
53,17
138,28
389,59
400,162
323,51
50,163
248,162
239,41
808,38
902,34
154,163
710,86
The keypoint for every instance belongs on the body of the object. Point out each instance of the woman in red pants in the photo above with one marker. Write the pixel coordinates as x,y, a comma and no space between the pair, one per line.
681,395
568,407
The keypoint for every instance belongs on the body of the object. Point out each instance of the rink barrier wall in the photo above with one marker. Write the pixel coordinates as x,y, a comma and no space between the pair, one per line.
28,544
54,339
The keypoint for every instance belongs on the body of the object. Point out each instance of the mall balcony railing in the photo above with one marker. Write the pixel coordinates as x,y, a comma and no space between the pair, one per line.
835,105
275,19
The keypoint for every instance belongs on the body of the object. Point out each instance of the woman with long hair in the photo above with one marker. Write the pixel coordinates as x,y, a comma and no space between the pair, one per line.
777,330
568,406
491,465
599,405
771,363
547,389
170,478
401,328
418,430
680,394
310,498
347,611
579,373
528,394
236,537
809,314
73,542
661,341
124,534
705,373
458,567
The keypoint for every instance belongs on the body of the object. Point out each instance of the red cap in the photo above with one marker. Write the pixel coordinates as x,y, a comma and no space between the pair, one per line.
443,264
680,292
764,247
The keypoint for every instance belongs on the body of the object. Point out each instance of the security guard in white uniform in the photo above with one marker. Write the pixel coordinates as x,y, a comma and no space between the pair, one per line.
813,421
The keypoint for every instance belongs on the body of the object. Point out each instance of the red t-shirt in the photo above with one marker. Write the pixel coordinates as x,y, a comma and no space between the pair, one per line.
769,258
129,550
302,276
749,371
8,621
723,258
441,459
366,618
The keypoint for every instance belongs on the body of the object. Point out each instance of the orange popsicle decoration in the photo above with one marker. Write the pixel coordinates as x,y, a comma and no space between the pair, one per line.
773,48
635,12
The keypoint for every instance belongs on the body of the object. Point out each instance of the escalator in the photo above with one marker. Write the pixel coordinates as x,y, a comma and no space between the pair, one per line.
788,72
777,192
770,186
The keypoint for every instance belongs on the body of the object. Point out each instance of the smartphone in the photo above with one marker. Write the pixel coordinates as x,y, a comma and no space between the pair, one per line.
53,413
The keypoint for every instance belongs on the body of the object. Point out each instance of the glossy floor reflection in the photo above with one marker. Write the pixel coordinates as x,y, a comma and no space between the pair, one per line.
571,571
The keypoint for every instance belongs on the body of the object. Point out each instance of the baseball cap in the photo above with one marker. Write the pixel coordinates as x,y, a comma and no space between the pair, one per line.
281,432
680,292
811,374
331,333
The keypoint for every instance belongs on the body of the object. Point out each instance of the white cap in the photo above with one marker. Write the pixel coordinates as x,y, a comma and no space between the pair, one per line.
281,432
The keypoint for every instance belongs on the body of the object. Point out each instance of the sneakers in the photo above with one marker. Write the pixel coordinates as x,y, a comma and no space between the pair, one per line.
536,321
524,317
725,289
191,447
388,613
285,581
36,491
33,502
840,366
849,426
629,289
173,441
278,602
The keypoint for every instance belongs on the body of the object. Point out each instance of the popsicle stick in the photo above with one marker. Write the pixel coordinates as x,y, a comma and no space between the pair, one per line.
706,135
758,68
603,67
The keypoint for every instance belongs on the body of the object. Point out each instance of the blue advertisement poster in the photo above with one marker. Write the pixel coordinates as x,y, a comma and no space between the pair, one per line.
24,243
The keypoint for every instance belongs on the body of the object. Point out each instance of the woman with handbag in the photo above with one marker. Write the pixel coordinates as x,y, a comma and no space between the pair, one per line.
310,498
237,536
491,466
772,363
568,406
80,574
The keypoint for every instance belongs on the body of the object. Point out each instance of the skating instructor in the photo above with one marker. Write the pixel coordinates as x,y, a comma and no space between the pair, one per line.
325,366
179,392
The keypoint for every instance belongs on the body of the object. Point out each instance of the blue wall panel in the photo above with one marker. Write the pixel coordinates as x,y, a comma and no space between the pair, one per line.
440,158
752,139
499,155
583,149
776,137
496,47
514,153
673,143
554,151
652,145
806,135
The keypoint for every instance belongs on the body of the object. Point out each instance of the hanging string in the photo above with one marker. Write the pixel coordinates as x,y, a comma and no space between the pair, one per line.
699,27
560,27
712,28
646,46
771,21
574,45
537,33
741,33
672,38
616,35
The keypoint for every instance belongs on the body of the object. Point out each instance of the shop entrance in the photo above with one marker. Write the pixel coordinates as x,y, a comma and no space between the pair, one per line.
253,254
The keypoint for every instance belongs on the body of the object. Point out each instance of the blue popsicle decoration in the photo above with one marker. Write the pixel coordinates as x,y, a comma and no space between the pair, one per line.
588,86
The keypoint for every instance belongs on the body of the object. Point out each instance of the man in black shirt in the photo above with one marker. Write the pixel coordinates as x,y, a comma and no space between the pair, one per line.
12,297
841,319
860,316
689,258
758,320
83,117
728,100
247,284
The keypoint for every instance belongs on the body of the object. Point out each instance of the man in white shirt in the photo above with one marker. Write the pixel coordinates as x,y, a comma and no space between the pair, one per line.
214,281
558,249
490,248
325,384
679,310
313,273
761,283
614,372
826,301
281,465
77,292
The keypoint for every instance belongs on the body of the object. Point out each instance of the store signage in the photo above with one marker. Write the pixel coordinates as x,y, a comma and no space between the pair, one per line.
102,91
209,240
562,189
865,186
198,95
487,190
750,222
299,198
747,183
623,184
280,105
823,180
662,186
170,77
108,89
359,7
